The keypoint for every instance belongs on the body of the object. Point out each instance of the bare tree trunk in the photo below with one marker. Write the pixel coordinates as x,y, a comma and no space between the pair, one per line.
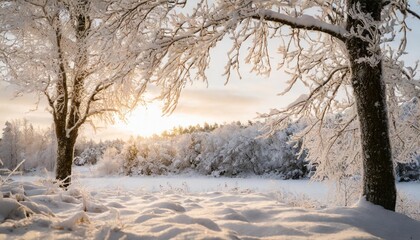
369,91
60,109
69,118
65,155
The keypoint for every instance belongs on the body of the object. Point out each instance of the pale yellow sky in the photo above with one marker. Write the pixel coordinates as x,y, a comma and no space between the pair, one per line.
239,100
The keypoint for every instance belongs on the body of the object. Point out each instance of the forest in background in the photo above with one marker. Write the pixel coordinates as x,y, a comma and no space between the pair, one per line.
231,150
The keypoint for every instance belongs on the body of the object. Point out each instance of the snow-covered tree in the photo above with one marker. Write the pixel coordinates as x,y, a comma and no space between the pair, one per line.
21,141
79,57
9,146
111,162
338,49
48,156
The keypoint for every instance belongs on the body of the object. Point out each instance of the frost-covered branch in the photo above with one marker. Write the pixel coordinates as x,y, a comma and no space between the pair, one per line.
302,22
335,51
182,55
75,54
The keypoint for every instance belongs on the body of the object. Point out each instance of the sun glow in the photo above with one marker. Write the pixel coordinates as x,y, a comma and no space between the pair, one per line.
148,120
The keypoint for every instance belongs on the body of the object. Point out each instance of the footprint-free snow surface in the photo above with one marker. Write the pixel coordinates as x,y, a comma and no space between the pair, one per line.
94,210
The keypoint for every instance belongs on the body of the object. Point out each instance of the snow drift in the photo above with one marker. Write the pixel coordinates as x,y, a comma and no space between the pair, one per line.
41,210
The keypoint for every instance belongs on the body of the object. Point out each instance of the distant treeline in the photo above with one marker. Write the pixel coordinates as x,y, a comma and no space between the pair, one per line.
234,149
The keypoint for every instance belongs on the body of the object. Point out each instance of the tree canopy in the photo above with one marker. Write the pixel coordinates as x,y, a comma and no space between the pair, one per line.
348,55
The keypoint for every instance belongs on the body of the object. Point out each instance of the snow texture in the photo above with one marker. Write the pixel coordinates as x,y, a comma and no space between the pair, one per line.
103,209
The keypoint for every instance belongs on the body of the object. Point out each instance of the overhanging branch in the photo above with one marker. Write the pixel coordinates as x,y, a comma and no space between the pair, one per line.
303,22
413,13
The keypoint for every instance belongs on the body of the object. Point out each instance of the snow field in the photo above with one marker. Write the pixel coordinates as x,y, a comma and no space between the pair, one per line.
187,208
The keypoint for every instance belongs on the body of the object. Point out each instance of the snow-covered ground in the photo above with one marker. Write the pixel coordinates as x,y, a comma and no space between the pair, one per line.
191,208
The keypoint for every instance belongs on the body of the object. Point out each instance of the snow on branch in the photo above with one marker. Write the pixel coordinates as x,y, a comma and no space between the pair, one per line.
181,52
304,22
76,54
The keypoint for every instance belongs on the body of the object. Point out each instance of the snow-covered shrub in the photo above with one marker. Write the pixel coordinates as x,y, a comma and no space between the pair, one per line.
231,150
182,159
409,171
237,154
89,152
187,151
284,155
130,158
111,162
157,160
88,156
235,150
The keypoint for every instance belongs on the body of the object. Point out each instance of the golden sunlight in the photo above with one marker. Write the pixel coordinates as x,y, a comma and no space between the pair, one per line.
148,120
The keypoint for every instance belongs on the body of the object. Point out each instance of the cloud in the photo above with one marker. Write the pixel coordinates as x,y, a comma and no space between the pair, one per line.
22,107
217,104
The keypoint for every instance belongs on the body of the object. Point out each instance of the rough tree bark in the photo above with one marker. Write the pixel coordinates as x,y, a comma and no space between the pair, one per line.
69,119
65,155
369,92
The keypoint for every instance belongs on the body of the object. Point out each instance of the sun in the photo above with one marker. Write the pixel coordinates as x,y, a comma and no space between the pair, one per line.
149,120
